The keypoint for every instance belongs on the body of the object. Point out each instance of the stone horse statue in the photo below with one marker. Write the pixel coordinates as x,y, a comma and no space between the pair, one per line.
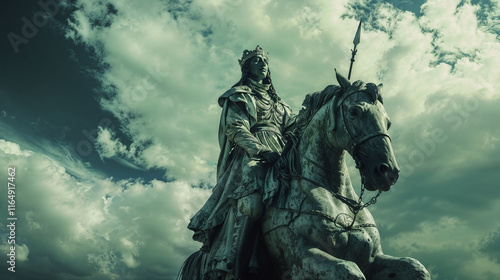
317,227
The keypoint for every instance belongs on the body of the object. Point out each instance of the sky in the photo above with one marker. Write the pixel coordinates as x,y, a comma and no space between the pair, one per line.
109,115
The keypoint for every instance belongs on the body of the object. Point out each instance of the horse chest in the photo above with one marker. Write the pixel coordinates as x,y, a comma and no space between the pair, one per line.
356,244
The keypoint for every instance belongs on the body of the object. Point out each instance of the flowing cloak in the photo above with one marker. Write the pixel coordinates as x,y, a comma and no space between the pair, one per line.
250,123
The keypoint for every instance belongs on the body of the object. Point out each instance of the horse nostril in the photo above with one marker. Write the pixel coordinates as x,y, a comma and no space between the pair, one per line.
395,178
383,168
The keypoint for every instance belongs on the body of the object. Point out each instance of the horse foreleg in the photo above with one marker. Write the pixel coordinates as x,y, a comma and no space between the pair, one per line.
317,264
301,261
387,267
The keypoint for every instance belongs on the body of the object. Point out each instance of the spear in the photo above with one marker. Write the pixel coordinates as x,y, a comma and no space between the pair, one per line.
356,41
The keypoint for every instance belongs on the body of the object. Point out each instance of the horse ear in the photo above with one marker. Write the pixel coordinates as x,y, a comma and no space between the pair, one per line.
343,82
380,89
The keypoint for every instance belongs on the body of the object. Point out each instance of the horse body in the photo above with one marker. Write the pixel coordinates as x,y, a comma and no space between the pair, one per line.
310,242
319,228
319,235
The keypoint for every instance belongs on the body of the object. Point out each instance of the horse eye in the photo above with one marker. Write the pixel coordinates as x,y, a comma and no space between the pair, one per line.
354,112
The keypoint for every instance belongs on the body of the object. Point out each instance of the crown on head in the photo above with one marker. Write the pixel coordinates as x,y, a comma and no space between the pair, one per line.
249,54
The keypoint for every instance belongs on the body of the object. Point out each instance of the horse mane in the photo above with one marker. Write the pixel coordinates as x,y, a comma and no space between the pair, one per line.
288,166
310,106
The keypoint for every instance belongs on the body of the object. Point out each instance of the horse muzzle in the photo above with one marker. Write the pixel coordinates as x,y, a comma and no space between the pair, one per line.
380,177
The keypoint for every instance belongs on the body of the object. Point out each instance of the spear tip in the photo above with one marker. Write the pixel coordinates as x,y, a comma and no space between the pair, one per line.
357,38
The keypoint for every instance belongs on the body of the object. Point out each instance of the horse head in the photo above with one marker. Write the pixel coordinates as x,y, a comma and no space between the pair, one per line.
359,124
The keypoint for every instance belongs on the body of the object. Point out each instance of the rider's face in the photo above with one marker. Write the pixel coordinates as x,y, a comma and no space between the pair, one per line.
258,68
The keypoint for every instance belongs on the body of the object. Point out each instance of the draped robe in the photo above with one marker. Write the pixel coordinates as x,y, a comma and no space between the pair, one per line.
251,123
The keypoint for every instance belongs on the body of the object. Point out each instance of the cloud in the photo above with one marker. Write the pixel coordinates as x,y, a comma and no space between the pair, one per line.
95,228
109,147
13,149
490,245
453,23
451,238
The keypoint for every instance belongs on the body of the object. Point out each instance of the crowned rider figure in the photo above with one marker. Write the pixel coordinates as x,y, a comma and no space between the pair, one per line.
253,126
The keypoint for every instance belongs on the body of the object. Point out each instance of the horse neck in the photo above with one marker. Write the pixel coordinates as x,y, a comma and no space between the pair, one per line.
330,169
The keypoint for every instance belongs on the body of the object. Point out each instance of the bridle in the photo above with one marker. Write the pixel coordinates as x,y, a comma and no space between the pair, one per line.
355,143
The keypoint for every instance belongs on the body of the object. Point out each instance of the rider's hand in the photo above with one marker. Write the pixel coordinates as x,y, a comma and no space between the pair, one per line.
269,157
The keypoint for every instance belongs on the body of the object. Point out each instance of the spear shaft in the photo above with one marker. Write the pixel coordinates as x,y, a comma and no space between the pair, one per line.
357,39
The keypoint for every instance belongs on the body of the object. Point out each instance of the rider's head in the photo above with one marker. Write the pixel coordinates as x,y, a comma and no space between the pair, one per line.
255,65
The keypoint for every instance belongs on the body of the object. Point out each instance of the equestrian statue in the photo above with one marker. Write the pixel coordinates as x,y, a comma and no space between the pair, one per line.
284,206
